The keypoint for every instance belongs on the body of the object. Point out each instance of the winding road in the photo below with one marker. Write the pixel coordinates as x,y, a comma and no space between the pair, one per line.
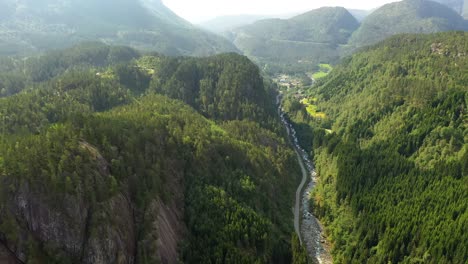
310,232
297,206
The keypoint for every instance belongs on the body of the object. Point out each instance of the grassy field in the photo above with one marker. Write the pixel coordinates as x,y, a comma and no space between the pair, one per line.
325,67
312,109
319,75
324,70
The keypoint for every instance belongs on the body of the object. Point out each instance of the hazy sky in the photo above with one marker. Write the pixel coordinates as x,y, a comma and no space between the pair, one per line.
200,10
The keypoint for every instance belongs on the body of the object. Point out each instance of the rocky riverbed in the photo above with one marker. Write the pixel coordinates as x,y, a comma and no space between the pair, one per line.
306,224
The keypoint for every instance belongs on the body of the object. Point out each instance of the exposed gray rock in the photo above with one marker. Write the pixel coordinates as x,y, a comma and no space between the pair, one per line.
59,227
67,226
6,257
112,235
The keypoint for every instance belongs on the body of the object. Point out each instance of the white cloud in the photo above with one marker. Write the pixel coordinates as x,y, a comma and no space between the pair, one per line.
198,10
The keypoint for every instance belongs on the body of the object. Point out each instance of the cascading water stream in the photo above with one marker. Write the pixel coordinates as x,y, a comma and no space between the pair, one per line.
306,224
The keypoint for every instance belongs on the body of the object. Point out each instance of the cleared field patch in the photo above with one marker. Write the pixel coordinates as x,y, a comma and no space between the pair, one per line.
324,70
312,108
325,67
318,75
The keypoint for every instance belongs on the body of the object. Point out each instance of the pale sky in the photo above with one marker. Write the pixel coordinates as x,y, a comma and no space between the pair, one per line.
200,10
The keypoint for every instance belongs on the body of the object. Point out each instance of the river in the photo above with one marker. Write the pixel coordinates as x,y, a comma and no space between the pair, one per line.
306,225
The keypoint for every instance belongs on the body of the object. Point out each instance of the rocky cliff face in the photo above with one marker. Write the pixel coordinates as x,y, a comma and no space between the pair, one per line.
6,257
165,227
111,238
70,228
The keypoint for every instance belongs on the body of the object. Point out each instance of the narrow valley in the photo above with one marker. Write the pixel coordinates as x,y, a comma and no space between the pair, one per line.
306,225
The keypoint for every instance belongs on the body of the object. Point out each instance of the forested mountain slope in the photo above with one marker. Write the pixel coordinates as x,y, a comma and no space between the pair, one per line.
18,74
164,13
393,170
408,16
30,26
95,167
311,37
327,34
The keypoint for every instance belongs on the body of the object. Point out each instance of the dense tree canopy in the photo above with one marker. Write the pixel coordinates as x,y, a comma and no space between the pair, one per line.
408,16
88,132
393,165
27,27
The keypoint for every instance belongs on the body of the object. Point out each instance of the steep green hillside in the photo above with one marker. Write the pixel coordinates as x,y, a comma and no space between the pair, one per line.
327,24
30,26
164,13
409,16
226,87
97,168
310,38
323,25
393,184
327,34
17,74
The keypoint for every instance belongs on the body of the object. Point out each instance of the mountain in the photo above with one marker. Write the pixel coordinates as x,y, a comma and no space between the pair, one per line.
98,165
409,16
391,151
160,10
226,23
28,26
327,24
456,5
310,38
327,34
359,14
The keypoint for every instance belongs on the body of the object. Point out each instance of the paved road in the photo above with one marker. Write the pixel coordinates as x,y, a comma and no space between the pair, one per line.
310,232
297,208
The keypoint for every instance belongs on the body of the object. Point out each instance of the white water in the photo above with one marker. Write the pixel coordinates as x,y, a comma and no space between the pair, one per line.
306,224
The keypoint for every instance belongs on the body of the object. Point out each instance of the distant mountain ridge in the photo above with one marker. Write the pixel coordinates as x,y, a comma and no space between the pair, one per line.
224,23
30,26
359,14
456,5
319,28
326,34
312,36
162,11
410,16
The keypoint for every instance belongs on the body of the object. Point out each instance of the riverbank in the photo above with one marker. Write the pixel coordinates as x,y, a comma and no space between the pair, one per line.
306,225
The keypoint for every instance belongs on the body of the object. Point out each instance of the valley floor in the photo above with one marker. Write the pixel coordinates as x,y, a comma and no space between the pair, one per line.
306,225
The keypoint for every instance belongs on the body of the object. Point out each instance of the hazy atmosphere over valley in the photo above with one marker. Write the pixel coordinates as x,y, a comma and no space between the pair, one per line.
212,131
203,10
